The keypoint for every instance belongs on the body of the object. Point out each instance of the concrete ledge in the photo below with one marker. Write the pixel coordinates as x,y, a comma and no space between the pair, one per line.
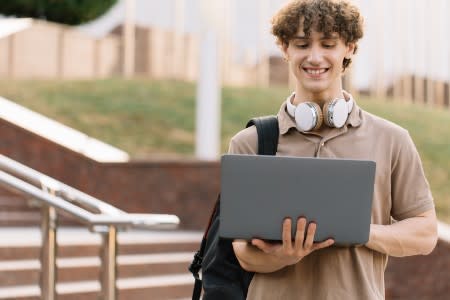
59,133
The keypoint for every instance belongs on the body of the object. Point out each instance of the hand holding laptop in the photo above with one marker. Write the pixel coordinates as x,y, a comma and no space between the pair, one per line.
292,250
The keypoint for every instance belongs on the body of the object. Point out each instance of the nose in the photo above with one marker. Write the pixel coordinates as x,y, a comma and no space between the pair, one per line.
315,55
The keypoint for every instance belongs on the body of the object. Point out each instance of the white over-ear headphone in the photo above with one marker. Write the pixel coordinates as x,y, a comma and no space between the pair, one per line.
308,115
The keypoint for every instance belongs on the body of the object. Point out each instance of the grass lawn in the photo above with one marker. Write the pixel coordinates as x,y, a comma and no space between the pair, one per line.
157,118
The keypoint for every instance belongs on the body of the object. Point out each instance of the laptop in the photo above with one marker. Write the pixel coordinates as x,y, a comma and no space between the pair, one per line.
258,192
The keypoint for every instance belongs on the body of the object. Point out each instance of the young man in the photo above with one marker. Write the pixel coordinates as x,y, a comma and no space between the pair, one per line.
318,39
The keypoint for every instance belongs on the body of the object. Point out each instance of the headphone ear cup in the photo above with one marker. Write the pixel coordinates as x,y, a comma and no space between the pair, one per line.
335,113
308,116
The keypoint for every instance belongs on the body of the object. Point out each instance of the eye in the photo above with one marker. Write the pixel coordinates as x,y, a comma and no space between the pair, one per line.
301,45
328,45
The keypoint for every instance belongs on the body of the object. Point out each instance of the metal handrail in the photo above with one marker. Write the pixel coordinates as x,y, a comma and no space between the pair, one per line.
57,196
65,191
85,216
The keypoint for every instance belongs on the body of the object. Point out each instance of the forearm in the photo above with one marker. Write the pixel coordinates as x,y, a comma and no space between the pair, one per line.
412,236
253,259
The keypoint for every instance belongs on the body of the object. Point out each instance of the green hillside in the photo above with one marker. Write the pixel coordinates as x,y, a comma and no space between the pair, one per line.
156,118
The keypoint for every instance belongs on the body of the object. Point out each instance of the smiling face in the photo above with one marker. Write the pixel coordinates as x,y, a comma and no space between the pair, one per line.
316,60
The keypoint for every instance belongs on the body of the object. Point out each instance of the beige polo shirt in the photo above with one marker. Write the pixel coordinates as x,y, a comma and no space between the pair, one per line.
401,191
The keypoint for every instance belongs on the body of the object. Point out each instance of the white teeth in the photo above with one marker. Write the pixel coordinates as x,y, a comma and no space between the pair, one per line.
315,71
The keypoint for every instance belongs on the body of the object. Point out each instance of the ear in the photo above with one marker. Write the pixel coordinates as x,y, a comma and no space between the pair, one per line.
351,48
284,48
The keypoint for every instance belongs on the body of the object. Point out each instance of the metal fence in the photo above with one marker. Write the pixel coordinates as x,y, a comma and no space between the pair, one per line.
55,197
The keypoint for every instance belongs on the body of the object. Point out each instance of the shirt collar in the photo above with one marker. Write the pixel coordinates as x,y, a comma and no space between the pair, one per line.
286,122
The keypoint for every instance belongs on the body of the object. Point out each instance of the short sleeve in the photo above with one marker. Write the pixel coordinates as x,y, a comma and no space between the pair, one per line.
244,142
411,194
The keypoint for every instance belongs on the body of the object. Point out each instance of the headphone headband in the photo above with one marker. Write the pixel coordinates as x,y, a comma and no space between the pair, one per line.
291,107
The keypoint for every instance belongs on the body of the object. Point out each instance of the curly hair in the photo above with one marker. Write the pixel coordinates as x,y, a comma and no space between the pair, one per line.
325,16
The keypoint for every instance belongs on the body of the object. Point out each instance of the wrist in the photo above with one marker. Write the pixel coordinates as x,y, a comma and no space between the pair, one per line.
375,238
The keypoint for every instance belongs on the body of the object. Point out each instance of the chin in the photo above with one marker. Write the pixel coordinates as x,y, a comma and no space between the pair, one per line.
316,88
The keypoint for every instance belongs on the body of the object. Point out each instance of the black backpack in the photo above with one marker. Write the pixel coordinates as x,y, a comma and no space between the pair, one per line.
223,277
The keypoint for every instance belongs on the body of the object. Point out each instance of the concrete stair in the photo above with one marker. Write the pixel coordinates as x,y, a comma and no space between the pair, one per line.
15,211
151,264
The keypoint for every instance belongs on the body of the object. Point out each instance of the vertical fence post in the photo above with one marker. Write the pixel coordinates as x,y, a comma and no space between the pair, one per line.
398,58
108,272
263,53
178,61
419,84
61,54
48,252
11,57
226,36
97,59
128,39
380,84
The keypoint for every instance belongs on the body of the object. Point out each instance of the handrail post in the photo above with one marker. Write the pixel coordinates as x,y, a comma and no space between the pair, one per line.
109,264
48,252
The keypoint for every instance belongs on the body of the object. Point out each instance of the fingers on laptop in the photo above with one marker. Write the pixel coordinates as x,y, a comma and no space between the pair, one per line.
309,241
300,234
303,243
304,237
286,235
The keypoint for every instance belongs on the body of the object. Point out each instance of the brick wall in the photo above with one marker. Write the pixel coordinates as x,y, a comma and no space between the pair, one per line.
420,277
186,188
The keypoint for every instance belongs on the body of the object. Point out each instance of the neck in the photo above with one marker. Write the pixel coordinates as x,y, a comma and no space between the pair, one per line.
317,97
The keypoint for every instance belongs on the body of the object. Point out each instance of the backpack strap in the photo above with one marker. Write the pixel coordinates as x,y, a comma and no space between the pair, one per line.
268,132
196,264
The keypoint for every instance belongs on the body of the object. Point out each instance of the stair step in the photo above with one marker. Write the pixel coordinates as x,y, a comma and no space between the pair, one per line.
15,202
150,287
22,292
19,272
71,236
20,210
24,243
155,281
158,288
12,217
33,252
149,263
15,272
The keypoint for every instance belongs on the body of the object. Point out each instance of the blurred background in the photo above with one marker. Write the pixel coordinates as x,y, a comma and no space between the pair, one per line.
405,39
144,95
136,74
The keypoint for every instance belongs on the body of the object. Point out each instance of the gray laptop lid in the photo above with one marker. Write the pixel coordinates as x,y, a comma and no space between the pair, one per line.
258,192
